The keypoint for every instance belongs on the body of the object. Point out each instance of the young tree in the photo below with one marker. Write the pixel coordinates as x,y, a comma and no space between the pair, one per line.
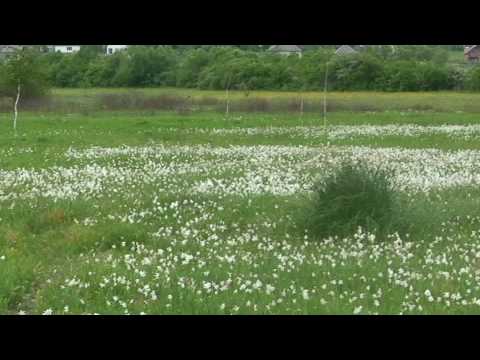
22,76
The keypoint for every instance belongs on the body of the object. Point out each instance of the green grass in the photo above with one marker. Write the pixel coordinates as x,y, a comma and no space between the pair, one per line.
145,227
47,133
338,101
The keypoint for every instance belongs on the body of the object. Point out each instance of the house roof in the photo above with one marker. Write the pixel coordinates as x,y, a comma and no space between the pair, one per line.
469,48
9,48
345,49
286,48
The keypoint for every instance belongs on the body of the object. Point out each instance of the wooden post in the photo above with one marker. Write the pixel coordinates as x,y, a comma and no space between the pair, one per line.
228,102
19,88
228,96
302,105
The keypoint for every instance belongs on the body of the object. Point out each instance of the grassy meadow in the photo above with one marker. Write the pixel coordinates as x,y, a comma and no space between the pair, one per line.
88,101
132,209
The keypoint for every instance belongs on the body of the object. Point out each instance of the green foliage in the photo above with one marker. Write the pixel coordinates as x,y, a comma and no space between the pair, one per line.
414,76
421,53
191,65
149,66
67,71
101,72
473,79
356,72
433,77
354,196
25,69
251,67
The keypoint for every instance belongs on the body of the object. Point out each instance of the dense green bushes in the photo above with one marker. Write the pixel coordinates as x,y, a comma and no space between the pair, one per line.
24,70
354,196
408,68
473,81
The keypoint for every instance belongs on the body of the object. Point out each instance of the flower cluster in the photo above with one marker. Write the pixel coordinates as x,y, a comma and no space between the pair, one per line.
235,170
210,266
340,132
216,237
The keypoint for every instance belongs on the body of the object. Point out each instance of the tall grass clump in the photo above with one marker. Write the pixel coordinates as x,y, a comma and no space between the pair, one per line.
354,196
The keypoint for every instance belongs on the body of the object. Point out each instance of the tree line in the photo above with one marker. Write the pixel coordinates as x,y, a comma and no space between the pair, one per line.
250,67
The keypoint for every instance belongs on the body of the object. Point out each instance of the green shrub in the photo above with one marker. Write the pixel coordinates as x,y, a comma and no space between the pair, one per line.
409,68
473,79
23,68
354,196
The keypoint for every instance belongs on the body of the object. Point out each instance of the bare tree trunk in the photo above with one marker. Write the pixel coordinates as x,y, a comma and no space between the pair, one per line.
325,92
19,88
302,105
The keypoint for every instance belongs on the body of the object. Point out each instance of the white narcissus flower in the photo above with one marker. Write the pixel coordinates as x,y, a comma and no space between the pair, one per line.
258,284
357,310
270,289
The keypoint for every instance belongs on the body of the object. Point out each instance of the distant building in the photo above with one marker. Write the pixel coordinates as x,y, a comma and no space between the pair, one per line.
350,49
9,50
112,49
287,50
66,49
345,50
472,53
